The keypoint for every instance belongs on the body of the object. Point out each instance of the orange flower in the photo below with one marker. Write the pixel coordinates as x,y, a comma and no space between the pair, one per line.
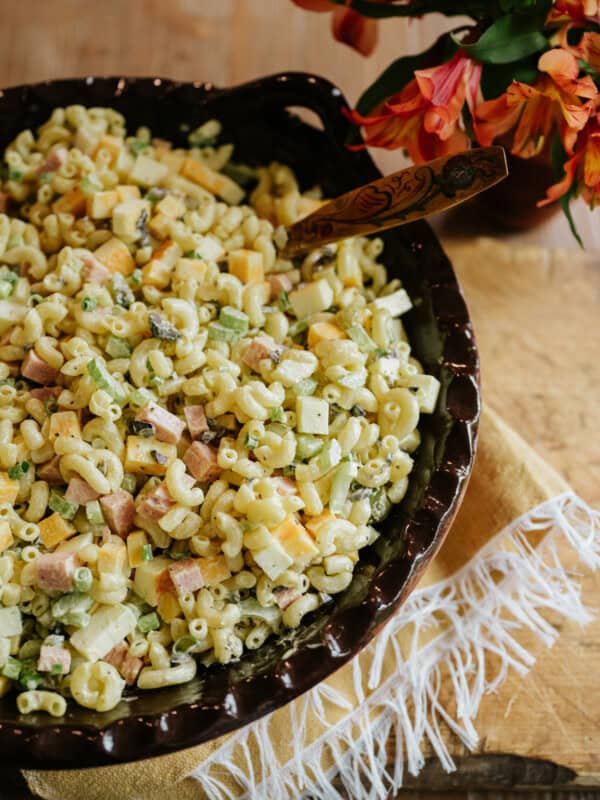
583,168
424,117
347,25
574,10
557,98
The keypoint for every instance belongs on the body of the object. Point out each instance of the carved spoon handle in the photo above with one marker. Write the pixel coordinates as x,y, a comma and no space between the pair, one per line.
399,198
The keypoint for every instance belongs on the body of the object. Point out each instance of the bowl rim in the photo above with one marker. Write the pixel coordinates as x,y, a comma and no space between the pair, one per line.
26,744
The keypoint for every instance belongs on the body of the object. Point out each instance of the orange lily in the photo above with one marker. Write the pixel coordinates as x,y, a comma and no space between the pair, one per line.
583,167
557,98
588,48
574,10
347,25
424,117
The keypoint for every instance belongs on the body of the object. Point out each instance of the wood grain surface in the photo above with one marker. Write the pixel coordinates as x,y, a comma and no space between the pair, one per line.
539,338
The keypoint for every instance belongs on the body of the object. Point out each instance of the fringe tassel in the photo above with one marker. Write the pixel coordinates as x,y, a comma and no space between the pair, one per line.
483,613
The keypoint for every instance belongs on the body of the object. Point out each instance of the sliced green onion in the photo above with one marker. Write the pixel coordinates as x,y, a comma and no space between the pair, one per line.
147,554
18,470
82,579
305,387
283,301
12,668
194,254
219,333
276,414
35,299
117,347
235,320
252,608
15,175
148,622
29,677
56,669
359,335
90,184
136,277
58,503
137,145
340,485
88,303
140,397
129,483
184,645
104,380
330,456
297,328
307,446
250,442
93,512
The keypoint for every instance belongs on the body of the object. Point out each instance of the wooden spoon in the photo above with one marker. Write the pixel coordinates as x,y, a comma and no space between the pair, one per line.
399,198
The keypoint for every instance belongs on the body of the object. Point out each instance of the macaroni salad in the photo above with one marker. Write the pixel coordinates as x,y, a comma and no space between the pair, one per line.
196,436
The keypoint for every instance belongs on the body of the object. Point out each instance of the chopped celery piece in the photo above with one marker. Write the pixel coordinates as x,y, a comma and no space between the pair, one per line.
82,579
58,503
90,184
117,347
104,380
148,622
250,442
276,414
12,668
94,513
17,470
140,397
88,303
340,485
235,320
147,554
252,608
306,387
129,483
359,335
137,145
219,333
29,677
185,644
330,456
71,606
283,301
307,446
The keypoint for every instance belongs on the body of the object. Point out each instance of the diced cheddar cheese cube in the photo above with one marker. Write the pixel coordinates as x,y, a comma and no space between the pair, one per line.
191,269
319,331
9,489
148,456
171,206
73,202
115,256
111,144
135,542
311,299
100,204
247,266
147,171
215,182
152,579
112,557
314,524
214,570
125,218
160,226
157,272
6,537
55,529
312,415
168,606
272,559
296,541
64,423
108,626
128,193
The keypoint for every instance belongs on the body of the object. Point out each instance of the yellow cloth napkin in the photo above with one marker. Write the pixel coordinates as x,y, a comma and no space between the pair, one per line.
509,480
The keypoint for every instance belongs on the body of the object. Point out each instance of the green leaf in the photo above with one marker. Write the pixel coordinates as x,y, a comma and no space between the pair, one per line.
401,71
496,78
508,39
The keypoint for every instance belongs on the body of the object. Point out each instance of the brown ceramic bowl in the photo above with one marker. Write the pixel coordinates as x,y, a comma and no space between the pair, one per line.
256,118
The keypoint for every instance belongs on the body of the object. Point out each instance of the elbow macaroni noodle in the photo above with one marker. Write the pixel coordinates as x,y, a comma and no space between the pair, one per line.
196,436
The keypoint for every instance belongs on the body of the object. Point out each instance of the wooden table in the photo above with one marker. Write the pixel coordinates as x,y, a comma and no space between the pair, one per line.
549,394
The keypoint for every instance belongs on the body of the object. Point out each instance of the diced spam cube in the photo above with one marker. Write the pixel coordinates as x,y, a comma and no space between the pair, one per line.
214,570
171,206
6,537
215,182
108,626
135,542
73,202
311,299
148,172
55,529
319,331
247,266
273,559
9,489
312,415
100,204
125,218
148,456
296,541
396,303
115,256
64,423
152,578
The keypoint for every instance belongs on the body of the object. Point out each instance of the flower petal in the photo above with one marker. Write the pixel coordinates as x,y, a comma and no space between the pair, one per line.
350,28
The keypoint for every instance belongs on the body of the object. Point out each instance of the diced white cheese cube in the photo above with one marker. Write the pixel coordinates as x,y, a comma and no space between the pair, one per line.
10,621
125,217
311,299
148,578
312,415
388,367
396,303
273,559
148,172
107,627
427,391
